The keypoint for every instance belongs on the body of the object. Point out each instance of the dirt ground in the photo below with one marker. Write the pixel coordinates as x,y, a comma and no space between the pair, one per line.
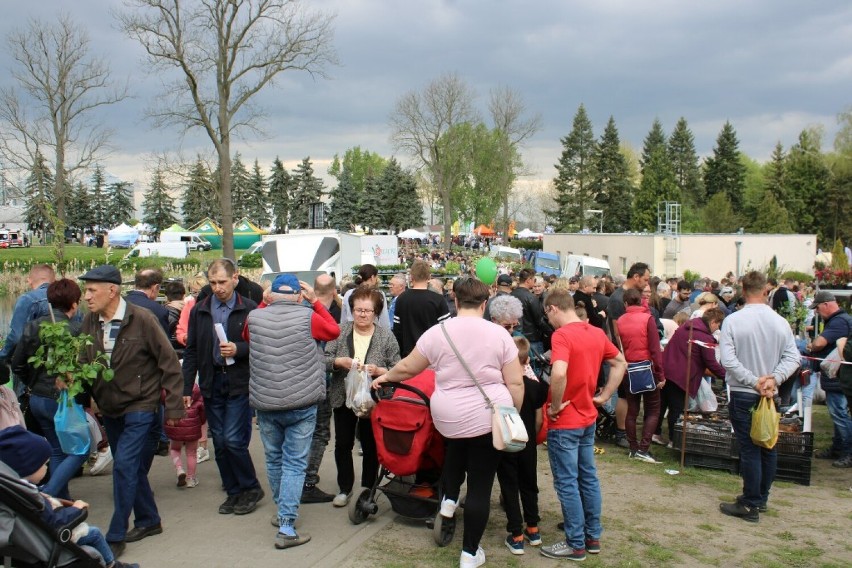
652,518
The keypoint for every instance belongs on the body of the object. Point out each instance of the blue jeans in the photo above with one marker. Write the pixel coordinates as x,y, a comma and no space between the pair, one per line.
575,479
286,437
96,540
229,425
62,466
838,409
757,464
129,439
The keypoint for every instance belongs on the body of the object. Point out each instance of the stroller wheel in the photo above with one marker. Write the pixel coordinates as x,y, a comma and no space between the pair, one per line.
443,530
359,509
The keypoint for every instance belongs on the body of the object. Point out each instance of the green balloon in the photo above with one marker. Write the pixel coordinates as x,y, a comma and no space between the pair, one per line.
486,270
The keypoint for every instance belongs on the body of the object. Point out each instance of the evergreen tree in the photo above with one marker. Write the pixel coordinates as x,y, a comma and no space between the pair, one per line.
343,214
575,174
834,218
281,186
80,214
371,205
684,161
119,207
612,189
808,179
776,176
307,191
771,216
719,215
258,206
240,191
656,138
658,185
39,196
158,208
403,209
99,199
723,171
200,199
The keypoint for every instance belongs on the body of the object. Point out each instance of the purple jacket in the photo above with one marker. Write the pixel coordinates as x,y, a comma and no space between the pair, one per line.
675,355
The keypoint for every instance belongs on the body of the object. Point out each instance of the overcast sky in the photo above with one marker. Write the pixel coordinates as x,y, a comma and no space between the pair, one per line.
771,67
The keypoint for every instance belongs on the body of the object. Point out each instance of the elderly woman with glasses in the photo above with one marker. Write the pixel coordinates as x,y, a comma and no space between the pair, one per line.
375,349
458,407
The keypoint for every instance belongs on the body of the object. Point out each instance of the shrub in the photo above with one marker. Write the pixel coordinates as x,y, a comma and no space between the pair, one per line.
253,260
691,276
802,277
528,244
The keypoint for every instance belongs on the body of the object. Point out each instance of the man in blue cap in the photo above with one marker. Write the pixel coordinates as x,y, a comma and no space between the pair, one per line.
287,381
222,367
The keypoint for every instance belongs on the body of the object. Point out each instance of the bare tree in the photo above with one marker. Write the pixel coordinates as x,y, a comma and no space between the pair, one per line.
420,124
60,85
225,52
507,109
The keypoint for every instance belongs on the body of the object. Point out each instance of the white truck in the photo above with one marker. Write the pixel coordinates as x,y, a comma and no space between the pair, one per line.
581,265
193,241
170,250
311,252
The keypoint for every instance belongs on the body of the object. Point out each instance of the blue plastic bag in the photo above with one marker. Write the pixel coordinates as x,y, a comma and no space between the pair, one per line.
71,427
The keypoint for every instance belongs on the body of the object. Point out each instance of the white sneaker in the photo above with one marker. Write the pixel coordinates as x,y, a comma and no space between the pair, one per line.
468,561
191,482
102,462
341,499
202,455
448,508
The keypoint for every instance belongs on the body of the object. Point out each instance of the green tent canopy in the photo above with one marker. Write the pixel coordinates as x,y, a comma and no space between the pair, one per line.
210,231
246,233
174,229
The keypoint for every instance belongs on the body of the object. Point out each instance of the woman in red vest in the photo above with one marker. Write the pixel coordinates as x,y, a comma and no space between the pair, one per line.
640,341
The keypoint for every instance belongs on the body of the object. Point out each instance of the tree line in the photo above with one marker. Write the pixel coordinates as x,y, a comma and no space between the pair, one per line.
800,190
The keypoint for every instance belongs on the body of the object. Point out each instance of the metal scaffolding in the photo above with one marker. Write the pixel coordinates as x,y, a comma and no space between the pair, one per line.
668,225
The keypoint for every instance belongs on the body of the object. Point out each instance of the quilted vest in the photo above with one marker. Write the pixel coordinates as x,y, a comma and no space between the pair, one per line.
633,329
286,364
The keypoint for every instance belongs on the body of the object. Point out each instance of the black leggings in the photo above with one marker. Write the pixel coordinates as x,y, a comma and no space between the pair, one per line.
518,475
345,423
477,458
673,396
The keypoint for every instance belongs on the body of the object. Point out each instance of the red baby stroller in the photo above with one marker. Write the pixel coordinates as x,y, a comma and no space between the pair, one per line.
408,447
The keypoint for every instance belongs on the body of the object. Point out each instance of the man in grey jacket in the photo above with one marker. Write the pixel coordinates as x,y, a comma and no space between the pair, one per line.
287,381
759,353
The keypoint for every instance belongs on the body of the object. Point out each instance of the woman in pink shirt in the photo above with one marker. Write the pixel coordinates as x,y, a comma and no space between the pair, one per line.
458,407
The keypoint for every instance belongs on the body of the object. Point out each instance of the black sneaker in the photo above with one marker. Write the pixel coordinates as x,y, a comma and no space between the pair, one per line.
227,508
744,512
621,440
313,494
248,501
845,461
162,448
762,508
827,454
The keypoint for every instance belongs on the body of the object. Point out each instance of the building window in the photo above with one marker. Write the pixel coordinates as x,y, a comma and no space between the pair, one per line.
623,264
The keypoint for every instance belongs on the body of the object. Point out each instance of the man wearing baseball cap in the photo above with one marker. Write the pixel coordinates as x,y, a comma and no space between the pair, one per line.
504,286
144,365
287,382
838,324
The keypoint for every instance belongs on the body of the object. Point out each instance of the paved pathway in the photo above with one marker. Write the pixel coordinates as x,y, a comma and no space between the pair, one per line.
194,534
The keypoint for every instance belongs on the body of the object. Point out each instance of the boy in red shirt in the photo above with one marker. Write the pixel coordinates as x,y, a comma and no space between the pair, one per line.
578,350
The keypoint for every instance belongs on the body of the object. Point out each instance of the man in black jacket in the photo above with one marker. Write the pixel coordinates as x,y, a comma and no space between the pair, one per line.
147,287
532,320
223,377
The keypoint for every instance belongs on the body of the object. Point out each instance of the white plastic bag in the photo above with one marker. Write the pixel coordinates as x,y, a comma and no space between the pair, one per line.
351,382
706,398
358,396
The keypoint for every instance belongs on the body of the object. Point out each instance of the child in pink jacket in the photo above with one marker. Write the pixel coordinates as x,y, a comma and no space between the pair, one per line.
186,434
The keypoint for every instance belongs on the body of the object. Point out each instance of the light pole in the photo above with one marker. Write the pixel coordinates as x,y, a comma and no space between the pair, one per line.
596,212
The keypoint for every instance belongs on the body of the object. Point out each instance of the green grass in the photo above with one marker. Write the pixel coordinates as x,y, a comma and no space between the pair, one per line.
708,527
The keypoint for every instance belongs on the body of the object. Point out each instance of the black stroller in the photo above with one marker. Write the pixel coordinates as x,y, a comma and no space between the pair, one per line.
25,540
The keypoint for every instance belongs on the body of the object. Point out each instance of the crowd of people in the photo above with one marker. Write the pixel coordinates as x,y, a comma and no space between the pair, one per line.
222,351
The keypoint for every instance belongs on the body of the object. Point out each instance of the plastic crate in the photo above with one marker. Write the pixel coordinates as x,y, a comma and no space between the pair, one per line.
795,444
720,463
706,442
796,469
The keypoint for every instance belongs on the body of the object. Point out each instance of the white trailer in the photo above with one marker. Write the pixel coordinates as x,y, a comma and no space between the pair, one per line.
193,241
170,250
308,253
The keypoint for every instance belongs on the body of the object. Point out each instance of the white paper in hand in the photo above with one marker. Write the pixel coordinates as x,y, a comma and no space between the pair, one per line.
223,338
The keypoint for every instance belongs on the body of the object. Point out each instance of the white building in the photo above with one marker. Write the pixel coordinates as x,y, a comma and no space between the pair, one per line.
711,255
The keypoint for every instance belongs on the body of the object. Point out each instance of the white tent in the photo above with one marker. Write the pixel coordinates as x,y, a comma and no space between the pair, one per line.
528,234
412,234
123,236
